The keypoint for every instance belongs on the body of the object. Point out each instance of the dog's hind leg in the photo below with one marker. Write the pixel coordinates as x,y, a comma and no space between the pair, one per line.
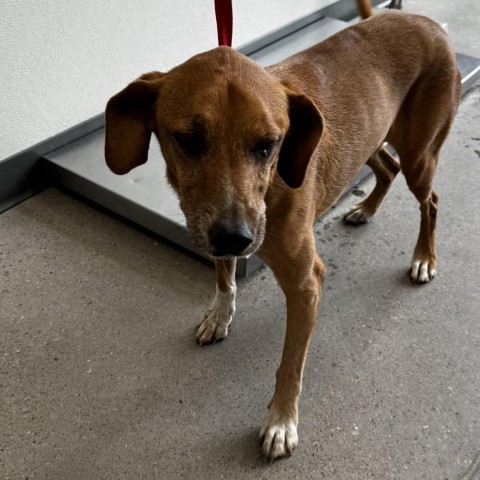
419,170
419,164
418,133
385,168
418,161
215,323
424,260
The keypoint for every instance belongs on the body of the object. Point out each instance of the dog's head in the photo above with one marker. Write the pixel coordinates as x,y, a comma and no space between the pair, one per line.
225,127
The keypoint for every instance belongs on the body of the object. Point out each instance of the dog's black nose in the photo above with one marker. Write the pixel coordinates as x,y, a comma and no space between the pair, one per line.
229,237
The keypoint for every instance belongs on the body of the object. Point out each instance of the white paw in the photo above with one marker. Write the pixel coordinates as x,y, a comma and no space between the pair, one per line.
278,435
214,326
422,271
357,215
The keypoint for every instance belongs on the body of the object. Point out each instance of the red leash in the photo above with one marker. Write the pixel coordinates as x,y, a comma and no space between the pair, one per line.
223,12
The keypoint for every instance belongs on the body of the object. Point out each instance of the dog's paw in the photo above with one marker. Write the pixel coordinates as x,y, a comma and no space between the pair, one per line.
357,215
278,435
215,323
422,271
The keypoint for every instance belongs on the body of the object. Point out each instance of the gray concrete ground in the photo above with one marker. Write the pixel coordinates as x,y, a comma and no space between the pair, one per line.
101,378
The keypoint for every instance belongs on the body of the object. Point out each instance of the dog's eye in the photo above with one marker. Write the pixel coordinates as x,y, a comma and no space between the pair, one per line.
264,148
192,144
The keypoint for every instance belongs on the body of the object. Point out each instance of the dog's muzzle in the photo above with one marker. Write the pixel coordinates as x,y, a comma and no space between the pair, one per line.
229,237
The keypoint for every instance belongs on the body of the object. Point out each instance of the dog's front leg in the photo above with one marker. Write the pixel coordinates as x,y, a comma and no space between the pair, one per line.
300,275
214,325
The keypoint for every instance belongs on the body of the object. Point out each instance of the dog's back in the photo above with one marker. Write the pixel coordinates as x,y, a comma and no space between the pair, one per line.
362,60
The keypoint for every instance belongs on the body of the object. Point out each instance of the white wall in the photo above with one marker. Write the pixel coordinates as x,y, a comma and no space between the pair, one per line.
60,60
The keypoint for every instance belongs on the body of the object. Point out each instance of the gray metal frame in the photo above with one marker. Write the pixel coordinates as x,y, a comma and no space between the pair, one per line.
22,175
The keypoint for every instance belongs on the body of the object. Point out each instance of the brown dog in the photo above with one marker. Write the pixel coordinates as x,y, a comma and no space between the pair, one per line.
257,154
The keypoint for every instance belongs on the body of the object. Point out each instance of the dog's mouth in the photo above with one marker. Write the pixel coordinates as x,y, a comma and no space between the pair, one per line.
223,253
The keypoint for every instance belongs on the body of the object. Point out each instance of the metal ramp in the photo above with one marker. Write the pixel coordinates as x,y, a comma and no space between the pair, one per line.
143,195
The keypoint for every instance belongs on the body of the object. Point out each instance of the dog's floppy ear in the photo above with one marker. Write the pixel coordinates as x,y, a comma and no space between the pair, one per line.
129,122
301,140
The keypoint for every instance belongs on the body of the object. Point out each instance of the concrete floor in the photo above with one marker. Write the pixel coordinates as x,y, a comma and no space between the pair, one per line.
101,378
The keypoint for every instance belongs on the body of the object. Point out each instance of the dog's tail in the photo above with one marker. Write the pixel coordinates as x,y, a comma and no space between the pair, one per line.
364,8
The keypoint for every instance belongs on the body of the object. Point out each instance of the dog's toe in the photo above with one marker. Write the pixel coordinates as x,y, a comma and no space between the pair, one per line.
423,271
278,436
215,323
357,216
212,328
